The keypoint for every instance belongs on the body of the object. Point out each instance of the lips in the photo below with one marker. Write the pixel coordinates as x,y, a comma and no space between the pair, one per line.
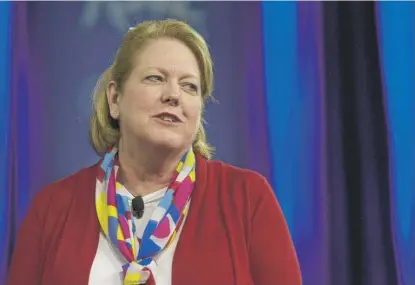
168,117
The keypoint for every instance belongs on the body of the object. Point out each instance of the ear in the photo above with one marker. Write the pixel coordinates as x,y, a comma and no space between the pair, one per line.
113,99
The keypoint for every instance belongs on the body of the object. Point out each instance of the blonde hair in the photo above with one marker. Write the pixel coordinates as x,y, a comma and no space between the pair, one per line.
104,131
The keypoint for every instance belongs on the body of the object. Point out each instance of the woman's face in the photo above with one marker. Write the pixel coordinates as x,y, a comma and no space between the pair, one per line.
161,102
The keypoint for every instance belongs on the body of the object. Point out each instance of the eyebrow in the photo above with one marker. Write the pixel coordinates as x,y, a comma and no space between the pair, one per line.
165,71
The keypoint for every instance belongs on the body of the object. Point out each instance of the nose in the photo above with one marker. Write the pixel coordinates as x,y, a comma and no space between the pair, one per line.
171,94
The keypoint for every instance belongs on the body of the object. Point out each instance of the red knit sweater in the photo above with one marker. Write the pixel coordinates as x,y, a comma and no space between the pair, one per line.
235,233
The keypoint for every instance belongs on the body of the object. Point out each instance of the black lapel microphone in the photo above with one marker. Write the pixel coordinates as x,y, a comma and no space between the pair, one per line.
138,207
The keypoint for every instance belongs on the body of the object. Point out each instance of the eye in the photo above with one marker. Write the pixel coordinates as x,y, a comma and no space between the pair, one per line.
154,78
191,87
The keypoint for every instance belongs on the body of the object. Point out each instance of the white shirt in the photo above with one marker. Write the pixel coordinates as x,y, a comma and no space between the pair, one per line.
107,265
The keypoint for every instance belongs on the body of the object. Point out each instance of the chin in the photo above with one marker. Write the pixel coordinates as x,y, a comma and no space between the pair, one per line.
169,142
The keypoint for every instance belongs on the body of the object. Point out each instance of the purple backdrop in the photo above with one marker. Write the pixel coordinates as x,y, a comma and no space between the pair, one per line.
299,100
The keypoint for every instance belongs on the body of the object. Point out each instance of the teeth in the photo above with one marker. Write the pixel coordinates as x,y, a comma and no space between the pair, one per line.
169,119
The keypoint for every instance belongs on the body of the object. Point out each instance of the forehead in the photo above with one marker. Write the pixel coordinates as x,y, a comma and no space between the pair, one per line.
169,54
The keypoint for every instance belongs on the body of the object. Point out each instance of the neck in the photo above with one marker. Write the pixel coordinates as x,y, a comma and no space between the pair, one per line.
147,169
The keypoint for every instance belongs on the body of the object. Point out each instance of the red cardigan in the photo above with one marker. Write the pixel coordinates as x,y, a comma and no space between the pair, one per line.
235,233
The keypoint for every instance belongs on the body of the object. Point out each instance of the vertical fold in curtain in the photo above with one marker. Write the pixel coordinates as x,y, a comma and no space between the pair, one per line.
362,249
23,113
396,29
311,206
253,102
6,18
281,85
296,121
21,124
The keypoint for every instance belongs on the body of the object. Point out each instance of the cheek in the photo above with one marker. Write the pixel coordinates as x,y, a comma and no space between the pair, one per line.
195,113
137,102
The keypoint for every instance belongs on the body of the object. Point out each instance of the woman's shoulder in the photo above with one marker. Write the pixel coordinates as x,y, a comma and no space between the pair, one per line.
235,173
64,190
239,181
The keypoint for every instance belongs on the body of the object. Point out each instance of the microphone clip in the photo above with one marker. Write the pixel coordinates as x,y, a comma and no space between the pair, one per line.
137,205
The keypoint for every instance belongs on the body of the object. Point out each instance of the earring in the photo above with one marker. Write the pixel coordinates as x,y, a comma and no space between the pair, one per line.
114,114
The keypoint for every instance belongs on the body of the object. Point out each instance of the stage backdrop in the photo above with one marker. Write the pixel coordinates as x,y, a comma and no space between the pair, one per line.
317,97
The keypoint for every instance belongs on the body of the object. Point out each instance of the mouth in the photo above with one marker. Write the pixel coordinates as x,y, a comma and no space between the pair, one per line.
168,117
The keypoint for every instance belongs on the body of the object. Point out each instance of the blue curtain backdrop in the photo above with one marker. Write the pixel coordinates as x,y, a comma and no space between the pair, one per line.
397,43
6,14
318,97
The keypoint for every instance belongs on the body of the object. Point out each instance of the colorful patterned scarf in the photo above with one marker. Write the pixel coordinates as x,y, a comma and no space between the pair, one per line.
115,217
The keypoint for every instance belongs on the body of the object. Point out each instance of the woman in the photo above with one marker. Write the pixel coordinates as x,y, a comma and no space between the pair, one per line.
155,209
